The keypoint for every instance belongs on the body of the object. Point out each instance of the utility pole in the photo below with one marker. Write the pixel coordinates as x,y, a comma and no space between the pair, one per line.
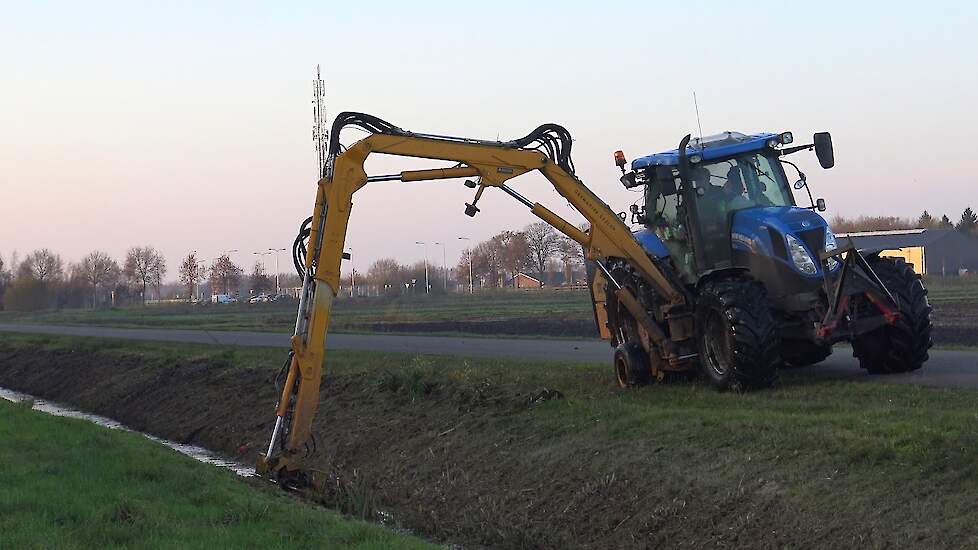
320,132
471,291
444,264
278,288
425,265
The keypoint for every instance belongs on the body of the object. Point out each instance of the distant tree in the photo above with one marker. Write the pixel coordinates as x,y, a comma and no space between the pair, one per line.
514,251
414,273
926,221
5,277
486,262
260,281
386,275
543,242
28,294
968,222
73,291
462,269
158,271
144,266
946,222
97,270
571,255
191,274
841,224
225,274
42,265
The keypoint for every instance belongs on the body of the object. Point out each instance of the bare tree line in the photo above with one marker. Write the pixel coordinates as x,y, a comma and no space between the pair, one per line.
43,280
537,250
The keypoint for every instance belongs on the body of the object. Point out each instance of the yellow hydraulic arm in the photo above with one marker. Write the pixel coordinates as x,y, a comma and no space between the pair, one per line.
492,164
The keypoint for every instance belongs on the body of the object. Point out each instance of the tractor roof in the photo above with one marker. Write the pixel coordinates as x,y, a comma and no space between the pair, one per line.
709,148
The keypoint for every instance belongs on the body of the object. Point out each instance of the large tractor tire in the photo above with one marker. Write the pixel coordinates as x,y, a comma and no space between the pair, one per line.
802,353
902,346
737,338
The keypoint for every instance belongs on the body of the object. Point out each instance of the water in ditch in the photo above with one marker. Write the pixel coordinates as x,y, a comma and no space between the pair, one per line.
197,453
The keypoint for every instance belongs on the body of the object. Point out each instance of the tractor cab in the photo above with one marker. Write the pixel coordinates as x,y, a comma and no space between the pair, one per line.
721,198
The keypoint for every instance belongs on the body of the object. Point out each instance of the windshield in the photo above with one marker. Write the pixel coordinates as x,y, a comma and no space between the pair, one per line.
744,181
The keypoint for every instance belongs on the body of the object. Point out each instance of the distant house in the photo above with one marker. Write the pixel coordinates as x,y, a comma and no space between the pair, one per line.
930,251
523,280
559,278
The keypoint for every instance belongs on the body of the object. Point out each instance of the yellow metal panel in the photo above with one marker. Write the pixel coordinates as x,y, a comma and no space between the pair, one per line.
913,255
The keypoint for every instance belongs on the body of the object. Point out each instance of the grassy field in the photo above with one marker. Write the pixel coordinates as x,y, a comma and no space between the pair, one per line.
347,313
476,449
70,484
521,313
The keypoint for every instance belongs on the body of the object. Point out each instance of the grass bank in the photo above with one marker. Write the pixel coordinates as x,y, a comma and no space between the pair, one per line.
502,453
70,484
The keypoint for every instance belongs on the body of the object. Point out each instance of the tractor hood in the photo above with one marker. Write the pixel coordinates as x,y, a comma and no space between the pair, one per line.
775,232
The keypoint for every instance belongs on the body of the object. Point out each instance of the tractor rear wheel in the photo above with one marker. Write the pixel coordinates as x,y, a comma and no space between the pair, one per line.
632,365
902,346
802,353
737,338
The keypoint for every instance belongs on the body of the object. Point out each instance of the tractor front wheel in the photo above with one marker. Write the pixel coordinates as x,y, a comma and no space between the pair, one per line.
737,337
632,365
902,346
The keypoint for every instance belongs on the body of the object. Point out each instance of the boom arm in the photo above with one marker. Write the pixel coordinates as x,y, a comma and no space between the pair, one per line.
494,164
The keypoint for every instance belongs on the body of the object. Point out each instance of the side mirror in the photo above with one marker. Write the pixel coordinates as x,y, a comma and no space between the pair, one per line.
823,149
799,184
628,180
820,205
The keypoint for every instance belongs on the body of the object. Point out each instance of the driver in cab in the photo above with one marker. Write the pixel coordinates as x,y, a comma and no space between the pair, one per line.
734,192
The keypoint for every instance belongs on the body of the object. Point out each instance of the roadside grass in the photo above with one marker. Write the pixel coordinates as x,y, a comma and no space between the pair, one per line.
863,458
67,483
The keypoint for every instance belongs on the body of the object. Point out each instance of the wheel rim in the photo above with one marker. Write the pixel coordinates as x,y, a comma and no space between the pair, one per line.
714,339
621,371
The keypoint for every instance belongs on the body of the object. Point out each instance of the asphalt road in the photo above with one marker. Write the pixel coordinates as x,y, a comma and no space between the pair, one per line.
944,369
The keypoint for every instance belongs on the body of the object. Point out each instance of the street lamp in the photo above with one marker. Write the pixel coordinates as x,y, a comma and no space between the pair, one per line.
425,264
444,265
260,255
470,264
278,288
353,275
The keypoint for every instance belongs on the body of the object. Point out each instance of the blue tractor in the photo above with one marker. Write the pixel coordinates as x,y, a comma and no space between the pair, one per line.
769,284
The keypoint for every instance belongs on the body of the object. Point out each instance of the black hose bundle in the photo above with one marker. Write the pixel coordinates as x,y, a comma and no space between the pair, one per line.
299,248
552,139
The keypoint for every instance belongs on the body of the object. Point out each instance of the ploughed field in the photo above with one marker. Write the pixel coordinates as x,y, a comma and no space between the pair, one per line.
507,454
564,313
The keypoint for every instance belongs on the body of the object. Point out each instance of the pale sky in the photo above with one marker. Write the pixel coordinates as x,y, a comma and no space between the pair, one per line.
187,125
